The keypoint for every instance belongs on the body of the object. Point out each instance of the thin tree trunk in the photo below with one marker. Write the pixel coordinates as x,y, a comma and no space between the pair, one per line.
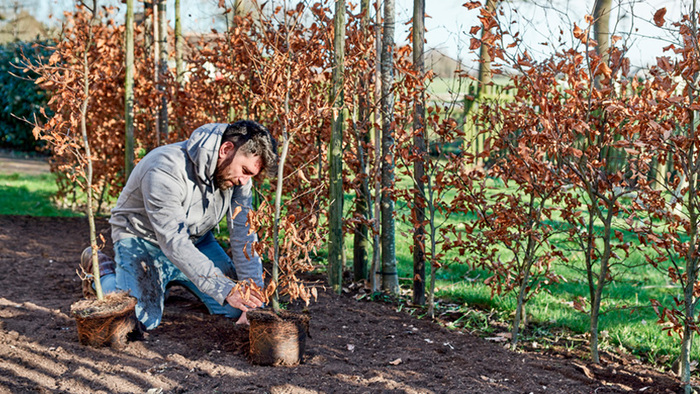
88,155
390,278
162,67
147,27
280,179
601,27
237,11
483,79
375,279
129,91
602,279
433,249
361,235
520,308
691,259
275,229
528,261
419,164
335,154
484,76
156,62
179,65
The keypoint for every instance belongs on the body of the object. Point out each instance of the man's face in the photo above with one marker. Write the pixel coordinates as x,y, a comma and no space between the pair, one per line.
234,167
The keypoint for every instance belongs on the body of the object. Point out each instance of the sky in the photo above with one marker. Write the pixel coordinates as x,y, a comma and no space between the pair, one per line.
448,22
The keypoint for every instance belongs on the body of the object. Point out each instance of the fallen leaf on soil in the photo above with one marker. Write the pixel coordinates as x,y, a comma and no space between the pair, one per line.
585,370
395,362
486,379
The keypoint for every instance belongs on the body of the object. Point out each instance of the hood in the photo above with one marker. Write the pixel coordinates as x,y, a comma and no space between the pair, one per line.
203,148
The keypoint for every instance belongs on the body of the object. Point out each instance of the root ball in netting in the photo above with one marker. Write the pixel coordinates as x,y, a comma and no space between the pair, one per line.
277,339
105,322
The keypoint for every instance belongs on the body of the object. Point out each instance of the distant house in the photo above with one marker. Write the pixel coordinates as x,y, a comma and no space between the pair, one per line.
21,27
442,65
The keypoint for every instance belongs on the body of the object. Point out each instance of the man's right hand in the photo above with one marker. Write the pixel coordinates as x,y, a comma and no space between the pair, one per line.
236,300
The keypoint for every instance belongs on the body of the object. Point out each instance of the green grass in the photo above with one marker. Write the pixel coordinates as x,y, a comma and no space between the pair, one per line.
627,320
30,195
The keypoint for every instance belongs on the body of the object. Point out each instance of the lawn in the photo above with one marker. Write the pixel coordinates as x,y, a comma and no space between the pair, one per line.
627,321
30,195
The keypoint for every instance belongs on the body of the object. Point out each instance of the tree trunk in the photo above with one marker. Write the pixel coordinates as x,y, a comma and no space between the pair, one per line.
687,340
129,90
156,64
375,278
276,224
433,251
162,67
601,27
520,308
484,76
179,65
147,27
86,145
335,154
483,79
361,235
390,277
147,48
419,164
602,279
691,260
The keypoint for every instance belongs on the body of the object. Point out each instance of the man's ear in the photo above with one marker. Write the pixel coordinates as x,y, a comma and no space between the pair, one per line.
226,148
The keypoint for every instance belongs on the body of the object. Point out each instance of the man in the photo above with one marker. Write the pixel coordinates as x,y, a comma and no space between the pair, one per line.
162,222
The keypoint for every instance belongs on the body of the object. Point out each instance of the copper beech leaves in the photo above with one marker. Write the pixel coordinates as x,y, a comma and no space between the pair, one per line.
274,72
659,17
471,5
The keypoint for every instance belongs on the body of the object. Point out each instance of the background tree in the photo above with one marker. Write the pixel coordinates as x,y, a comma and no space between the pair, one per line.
390,277
514,200
601,27
673,209
179,64
129,89
418,207
375,277
363,212
335,152
162,66
72,70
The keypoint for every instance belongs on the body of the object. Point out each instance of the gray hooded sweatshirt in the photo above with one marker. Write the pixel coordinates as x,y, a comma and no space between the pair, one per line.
170,200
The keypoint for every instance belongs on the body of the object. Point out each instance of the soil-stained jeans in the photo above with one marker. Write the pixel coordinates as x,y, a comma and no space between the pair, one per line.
143,270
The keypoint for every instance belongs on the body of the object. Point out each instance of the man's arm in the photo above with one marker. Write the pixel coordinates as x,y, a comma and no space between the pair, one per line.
246,267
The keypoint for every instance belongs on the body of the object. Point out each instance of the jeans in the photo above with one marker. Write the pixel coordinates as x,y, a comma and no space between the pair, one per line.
143,270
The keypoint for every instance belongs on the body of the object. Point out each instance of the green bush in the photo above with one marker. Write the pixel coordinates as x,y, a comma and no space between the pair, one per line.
20,98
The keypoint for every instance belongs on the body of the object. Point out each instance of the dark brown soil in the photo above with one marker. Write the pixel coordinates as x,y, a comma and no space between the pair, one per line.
355,346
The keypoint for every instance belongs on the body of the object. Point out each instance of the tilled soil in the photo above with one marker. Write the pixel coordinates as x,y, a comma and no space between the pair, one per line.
355,346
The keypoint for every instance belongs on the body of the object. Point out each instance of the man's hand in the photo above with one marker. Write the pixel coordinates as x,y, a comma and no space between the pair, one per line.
237,300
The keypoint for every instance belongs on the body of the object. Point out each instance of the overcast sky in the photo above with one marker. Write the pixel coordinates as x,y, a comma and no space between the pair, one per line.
448,22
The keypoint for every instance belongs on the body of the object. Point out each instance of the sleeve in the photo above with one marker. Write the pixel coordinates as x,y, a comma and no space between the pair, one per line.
240,237
163,196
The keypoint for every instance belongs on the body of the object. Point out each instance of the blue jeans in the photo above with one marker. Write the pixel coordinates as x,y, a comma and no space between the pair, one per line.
143,270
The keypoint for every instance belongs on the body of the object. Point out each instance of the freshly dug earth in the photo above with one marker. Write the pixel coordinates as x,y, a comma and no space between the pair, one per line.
355,346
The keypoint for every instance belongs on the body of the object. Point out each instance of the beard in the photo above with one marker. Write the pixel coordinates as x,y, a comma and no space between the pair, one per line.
219,177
